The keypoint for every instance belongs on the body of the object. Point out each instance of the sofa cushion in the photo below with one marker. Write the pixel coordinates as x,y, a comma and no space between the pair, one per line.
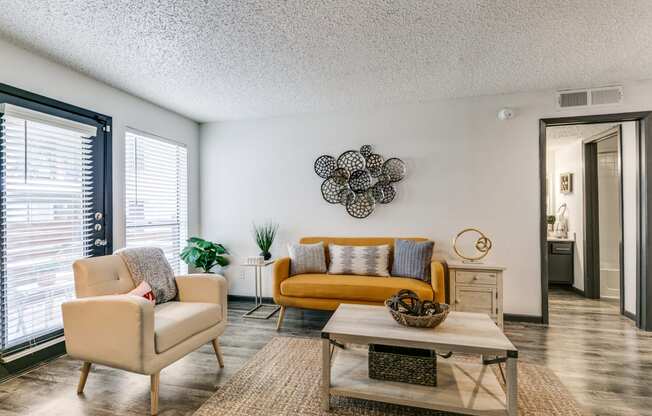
412,259
307,258
174,322
359,260
347,287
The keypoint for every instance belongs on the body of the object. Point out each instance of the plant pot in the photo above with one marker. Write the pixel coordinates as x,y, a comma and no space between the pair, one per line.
266,255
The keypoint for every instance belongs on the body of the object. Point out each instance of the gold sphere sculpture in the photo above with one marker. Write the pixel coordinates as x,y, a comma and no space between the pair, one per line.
483,244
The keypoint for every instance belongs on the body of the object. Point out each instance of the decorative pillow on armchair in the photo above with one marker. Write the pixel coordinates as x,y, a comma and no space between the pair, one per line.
359,260
148,264
143,290
307,258
412,259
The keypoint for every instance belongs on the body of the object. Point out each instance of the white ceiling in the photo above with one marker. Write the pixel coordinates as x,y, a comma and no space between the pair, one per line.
216,60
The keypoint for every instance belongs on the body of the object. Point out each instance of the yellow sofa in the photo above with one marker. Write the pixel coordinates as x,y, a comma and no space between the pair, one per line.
327,291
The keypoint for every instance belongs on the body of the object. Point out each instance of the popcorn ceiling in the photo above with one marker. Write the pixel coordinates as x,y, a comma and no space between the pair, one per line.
218,60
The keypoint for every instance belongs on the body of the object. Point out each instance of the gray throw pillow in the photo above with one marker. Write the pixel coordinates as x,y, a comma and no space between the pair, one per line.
148,264
412,259
307,258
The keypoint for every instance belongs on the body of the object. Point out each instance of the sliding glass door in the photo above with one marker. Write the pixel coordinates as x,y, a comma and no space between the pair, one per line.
52,204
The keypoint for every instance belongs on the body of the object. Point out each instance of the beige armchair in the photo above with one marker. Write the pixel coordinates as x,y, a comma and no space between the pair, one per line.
105,326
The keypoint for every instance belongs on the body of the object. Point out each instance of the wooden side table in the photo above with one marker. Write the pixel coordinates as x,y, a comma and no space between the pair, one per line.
258,298
477,287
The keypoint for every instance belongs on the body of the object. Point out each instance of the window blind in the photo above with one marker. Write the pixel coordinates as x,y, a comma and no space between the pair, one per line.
46,205
156,195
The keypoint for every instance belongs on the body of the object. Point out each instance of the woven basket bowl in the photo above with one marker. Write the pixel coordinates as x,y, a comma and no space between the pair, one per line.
429,321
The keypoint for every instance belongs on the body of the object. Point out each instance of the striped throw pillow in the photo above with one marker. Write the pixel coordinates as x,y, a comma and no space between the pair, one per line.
359,260
307,258
412,259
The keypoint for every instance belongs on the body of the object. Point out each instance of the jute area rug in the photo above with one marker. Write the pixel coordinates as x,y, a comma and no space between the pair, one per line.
283,379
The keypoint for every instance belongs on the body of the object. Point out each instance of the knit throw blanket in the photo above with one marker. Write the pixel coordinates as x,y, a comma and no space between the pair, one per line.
150,265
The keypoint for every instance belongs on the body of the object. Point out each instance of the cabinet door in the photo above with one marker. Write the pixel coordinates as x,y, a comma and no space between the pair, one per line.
479,299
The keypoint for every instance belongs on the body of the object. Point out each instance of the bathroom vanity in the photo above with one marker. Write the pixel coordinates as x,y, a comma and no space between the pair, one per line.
561,267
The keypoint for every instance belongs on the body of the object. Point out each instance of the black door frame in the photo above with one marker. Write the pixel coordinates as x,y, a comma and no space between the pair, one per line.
105,198
643,121
592,278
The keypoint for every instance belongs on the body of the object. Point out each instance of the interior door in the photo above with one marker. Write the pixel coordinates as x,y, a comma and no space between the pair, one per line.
53,205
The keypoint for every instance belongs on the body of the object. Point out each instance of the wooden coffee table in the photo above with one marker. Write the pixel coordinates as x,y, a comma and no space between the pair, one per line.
462,386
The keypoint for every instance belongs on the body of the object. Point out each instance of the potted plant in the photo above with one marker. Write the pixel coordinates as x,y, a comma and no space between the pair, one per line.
204,254
264,235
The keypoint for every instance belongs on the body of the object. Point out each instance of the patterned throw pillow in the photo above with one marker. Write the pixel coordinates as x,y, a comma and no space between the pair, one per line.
307,258
359,260
412,259
143,290
148,264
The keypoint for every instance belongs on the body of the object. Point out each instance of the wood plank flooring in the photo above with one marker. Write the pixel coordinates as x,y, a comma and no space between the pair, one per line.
600,356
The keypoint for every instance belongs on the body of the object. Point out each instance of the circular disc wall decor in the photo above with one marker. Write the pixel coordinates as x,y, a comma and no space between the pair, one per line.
346,195
359,179
330,190
394,169
361,206
366,150
388,193
351,161
375,164
325,165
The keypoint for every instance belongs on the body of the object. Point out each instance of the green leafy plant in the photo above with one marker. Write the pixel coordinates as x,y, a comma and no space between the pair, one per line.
265,235
204,254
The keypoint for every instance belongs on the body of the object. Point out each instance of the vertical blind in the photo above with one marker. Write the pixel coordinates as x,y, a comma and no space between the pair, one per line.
46,207
156,195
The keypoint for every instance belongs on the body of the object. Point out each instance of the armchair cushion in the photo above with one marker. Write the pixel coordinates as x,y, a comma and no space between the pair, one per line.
174,322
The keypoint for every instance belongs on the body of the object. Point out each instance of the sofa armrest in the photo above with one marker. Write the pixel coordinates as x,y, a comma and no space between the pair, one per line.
204,287
438,280
115,330
280,272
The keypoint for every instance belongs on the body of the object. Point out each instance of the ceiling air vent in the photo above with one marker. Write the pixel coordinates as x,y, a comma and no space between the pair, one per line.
590,97
577,98
606,95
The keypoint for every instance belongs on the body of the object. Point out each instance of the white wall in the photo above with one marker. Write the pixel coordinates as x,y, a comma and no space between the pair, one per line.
33,73
465,168
569,159
630,200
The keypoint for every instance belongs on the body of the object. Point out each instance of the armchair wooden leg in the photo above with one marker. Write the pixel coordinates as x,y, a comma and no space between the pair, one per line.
281,315
86,368
155,378
218,352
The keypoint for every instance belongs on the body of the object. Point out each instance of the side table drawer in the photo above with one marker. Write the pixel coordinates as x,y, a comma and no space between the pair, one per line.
476,299
472,277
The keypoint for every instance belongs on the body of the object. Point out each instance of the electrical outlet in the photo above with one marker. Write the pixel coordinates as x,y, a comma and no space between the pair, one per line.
243,274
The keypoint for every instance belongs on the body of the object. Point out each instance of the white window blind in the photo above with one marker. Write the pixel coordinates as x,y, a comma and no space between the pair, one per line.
156,195
46,207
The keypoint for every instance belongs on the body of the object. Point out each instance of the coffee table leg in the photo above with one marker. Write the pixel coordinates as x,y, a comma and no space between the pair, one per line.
512,384
326,374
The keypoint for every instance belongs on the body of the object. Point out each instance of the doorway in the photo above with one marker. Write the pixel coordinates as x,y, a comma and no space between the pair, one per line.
622,271
604,223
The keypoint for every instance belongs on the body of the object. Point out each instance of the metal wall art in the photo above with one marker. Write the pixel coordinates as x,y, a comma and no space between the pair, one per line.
359,179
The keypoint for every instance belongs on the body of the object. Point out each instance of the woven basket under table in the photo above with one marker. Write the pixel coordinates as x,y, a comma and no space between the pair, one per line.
406,365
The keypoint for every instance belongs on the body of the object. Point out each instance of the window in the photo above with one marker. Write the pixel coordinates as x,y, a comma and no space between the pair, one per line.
156,195
49,191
